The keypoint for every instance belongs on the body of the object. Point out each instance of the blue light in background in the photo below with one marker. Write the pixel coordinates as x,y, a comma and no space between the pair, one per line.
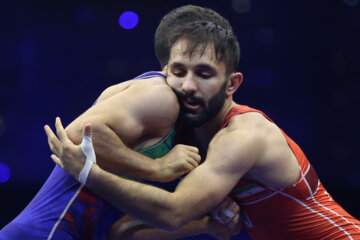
4,173
128,20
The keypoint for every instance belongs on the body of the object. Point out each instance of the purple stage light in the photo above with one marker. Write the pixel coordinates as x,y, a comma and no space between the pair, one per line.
4,173
128,20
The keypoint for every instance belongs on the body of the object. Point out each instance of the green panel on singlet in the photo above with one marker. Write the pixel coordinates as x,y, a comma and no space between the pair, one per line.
161,148
157,150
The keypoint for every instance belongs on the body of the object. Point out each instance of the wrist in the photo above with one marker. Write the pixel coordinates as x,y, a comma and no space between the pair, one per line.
158,170
94,173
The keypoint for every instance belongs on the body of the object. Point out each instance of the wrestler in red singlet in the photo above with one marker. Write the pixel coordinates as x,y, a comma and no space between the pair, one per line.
303,211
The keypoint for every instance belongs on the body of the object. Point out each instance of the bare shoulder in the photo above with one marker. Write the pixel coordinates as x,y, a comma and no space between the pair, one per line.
240,143
151,83
266,143
254,125
155,100
244,140
246,127
149,102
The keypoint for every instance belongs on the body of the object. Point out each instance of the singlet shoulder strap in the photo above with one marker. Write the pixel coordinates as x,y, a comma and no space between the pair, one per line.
150,74
302,160
240,110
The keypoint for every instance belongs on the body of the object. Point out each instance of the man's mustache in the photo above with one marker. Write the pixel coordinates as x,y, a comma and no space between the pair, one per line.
189,97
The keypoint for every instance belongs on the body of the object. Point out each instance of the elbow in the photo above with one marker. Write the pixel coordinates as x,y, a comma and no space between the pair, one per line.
174,220
172,226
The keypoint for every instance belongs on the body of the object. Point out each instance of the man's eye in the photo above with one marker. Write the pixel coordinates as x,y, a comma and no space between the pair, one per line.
179,73
204,75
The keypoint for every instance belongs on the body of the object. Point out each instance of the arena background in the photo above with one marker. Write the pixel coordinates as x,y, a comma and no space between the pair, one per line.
300,61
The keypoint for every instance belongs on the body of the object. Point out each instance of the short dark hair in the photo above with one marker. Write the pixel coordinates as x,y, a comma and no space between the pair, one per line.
180,17
201,34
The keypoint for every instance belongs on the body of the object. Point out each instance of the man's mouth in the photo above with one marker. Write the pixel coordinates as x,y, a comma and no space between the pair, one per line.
191,105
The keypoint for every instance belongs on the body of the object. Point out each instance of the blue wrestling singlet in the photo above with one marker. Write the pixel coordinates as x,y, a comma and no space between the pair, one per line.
65,209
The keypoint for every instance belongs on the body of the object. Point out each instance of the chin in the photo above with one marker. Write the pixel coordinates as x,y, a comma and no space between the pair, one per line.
194,121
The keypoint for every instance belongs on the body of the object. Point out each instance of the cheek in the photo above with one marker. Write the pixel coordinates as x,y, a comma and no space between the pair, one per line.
174,82
207,90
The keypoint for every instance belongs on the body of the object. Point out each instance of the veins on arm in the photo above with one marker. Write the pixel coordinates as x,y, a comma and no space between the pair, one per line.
204,187
119,124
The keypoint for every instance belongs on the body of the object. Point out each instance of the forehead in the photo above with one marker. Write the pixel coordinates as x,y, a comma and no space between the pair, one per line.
178,54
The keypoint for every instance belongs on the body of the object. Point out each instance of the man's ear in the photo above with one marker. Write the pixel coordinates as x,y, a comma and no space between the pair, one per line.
164,70
233,83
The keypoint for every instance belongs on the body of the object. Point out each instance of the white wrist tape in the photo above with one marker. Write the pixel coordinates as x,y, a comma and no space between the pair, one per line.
227,213
88,149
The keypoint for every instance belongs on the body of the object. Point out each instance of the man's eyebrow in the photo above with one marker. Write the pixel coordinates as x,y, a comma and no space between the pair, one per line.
204,65
207,67
176,64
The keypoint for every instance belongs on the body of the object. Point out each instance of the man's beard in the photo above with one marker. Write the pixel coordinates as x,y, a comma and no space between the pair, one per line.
195,119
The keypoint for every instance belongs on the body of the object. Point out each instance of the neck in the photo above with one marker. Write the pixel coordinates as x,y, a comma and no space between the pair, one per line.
209,129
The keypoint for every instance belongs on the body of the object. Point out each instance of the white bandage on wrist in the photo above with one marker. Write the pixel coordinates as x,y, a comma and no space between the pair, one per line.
88,149
228,213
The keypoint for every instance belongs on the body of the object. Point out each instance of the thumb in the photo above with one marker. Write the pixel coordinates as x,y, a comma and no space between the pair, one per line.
87,130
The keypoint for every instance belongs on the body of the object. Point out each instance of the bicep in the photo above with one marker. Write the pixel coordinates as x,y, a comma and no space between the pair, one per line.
226,162
137,110
206,185
114,113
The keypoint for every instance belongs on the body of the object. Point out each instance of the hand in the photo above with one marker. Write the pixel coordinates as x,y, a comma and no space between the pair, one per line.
218,230
180,160
227,213
66,154
221,231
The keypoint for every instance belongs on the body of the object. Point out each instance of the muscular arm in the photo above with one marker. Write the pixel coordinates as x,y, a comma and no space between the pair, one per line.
127,114
128,228
199,192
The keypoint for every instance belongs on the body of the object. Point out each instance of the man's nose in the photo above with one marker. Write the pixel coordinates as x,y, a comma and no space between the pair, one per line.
189,84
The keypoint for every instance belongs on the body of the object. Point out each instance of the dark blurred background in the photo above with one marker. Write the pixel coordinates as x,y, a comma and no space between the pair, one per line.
300,61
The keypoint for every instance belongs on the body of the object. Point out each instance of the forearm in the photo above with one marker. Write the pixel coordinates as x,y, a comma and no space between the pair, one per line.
145,232
158,207
114,156
152,205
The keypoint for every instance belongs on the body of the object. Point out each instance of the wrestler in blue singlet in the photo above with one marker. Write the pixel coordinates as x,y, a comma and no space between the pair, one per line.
65,209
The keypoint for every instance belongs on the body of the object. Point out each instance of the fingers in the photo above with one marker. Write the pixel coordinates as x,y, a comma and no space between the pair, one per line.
60,131
87,130
227,212
56,160
53,141
189,148
193,163
234,221
236,225
194,156
190,165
